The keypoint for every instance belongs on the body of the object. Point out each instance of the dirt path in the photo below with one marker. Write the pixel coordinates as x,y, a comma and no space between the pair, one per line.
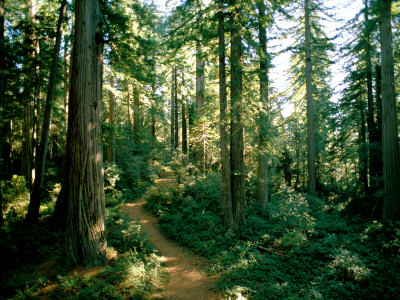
186,282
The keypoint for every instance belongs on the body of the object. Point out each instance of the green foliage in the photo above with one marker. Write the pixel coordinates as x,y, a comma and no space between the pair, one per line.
133,272
15,199
306,249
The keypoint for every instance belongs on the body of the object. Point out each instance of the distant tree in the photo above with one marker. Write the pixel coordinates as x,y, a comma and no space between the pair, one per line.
226,193
310,104
262,170
237,143
111,120
390,138
85,236
36,194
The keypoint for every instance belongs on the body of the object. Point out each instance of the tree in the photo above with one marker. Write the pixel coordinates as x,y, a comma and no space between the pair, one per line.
36,195
226,192
111,120
237,144
85,235
390,140
262,170
310,105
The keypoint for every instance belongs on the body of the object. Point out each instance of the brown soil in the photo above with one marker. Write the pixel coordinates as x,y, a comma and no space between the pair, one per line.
186,282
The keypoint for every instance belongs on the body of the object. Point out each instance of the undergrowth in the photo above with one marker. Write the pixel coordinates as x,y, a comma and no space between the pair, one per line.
133,271
307,248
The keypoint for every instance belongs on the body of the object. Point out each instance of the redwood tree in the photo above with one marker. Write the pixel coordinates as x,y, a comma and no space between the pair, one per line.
390,140
85,236
310,105
226,194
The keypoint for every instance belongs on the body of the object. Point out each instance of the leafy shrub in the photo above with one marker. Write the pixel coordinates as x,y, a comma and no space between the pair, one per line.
306,248
15,199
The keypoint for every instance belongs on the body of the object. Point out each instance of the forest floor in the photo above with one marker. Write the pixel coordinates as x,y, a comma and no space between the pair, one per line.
186,280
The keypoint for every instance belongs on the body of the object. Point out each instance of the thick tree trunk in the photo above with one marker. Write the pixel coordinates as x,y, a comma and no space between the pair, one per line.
262,168
390,140
28,92
36,195
226,193
85,236
111,120
237,144
310,106
2,95
373,149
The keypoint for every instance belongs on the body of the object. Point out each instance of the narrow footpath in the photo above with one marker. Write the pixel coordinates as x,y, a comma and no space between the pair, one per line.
186,282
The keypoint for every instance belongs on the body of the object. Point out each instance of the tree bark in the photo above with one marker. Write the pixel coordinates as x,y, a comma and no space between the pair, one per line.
173,109
36,195
237,147
85,236
200,82
153,112
28,92
136,118
379,163
310,106
184,125
66,77
373,151
111,120
262,168
363,150
176,139
2,96
226,193
390,140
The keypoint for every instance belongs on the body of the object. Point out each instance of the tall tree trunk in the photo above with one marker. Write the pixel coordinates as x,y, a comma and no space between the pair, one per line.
28,91
66,77
36,195
237,147
153,112
111,119
200,82
85,236
226,193
363,148
184,125
176,139
136,118
2,96
310,106
173,109
372,127
128,99
379,163
262,169
390,140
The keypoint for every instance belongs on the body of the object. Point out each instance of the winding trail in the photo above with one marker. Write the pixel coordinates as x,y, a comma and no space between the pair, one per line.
186,282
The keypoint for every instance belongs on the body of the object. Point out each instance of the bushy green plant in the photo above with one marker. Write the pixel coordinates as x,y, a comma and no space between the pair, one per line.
306,248
15,198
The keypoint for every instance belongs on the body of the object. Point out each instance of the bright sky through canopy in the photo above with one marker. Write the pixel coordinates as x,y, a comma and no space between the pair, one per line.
343,11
